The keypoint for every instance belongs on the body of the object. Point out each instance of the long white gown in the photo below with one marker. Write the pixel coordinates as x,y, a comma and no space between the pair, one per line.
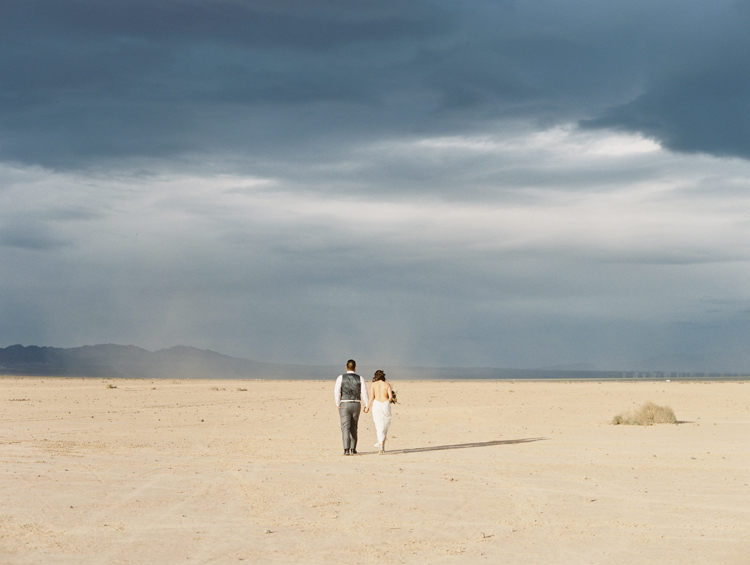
381,415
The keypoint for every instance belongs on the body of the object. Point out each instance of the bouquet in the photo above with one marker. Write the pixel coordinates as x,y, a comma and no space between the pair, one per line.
393,397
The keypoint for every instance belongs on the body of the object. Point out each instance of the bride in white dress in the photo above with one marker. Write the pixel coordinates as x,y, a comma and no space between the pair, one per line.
381,395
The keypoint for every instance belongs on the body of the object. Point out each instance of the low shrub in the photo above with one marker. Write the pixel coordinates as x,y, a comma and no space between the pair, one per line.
647,415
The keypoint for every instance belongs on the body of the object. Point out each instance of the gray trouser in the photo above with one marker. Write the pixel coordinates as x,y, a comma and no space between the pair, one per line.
349,414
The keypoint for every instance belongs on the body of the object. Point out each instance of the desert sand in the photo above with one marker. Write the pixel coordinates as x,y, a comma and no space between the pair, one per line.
204,471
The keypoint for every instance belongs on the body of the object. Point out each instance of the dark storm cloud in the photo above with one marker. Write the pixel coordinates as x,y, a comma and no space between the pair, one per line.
697,92
91,79
250,23
704,111
85,80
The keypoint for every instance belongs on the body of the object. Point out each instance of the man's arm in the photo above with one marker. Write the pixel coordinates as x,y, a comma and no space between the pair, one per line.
337,391
363,390
368,403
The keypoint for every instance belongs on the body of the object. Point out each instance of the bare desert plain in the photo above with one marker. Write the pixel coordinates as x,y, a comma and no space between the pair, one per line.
206,471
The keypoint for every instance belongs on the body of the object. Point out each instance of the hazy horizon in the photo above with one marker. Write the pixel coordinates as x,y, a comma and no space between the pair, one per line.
113,360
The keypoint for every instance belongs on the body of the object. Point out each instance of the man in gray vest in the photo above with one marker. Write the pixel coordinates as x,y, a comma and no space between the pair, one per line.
350,391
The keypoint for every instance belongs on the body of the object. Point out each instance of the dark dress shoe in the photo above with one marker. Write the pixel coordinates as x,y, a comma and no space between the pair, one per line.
354,451
346,452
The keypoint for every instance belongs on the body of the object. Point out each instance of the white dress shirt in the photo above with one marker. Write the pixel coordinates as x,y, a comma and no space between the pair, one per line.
337,390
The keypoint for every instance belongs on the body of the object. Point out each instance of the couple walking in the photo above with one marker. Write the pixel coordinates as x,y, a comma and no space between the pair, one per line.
350,391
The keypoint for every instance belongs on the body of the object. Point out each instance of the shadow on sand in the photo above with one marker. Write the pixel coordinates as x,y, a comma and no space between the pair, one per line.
461,445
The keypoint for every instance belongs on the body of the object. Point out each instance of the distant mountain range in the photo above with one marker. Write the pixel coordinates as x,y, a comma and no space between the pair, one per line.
110,361
133,362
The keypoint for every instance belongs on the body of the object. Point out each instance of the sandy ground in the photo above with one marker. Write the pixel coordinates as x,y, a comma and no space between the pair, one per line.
496,472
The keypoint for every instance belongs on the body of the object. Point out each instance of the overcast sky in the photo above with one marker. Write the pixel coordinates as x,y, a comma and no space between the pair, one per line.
483,183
